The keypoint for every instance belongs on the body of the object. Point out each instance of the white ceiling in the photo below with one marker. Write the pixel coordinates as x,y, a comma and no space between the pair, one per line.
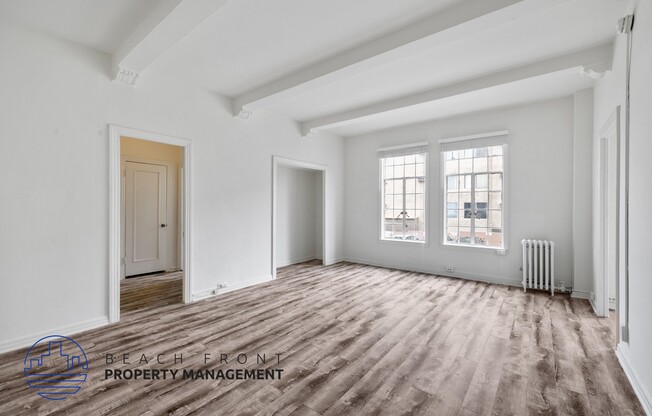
251,42
568,27
531,90
99,24
245,45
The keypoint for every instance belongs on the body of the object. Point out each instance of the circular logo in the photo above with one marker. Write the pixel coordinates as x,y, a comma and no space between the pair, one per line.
55,367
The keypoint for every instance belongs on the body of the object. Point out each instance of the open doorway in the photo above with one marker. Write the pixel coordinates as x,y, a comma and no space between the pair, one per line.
298,213
608,291
150,230
149,222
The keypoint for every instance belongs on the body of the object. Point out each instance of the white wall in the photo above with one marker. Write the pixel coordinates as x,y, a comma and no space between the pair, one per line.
540,193
583,194
297,219
609,93
56,104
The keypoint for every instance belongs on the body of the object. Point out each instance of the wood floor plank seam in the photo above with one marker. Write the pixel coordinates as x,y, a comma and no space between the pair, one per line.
356,340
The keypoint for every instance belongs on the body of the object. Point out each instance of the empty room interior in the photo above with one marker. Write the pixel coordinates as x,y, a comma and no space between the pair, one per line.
290,207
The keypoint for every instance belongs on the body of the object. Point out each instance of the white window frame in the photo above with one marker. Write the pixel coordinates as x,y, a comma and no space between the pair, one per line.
381,192
468,142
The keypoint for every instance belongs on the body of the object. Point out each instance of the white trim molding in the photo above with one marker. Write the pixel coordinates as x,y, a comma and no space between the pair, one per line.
208,293
115,133
125,76
643,395
463,275
582,294
68,330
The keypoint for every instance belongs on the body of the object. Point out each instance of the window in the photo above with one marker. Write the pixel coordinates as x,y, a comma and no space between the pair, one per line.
403,199
474,190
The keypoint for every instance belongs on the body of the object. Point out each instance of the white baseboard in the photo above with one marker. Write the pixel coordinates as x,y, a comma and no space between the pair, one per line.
463,275
290,262
581,294
207,293
68,330
595,307
642,394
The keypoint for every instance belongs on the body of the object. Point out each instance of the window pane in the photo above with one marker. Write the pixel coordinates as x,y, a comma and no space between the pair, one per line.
421,158
495,237
466,165
410,186
466,153
481,236
452,234
480,152
464,235
452,198
481,182
481,199
410,170
389,202
480,164
452,167
465,182
496,164
398,202
398,187
410,159
464,220
389,172
420,201
421,185
495,200
496,181
398,171
452,212
495,219
410,201
420,169
452,183
496,150
389,187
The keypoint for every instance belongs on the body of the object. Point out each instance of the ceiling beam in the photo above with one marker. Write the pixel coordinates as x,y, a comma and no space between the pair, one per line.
597,58
170,21
463,19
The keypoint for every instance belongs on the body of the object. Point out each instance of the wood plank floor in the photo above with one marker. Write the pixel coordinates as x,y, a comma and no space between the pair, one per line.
151,291
355,340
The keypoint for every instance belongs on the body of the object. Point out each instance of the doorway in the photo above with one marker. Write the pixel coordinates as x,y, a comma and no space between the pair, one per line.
149,220
609,200
298,212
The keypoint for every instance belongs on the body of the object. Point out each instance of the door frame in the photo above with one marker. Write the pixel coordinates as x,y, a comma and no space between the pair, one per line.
292,163
115,133
610,131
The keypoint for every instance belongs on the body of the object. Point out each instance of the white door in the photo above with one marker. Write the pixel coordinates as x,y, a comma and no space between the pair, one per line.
146,231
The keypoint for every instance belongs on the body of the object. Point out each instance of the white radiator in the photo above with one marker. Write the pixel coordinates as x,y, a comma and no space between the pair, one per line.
539,265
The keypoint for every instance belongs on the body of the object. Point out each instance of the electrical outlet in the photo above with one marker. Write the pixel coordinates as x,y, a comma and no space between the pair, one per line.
450,269
221,285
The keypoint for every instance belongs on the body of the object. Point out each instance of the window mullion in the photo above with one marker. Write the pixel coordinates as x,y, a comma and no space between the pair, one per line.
473,208
404,207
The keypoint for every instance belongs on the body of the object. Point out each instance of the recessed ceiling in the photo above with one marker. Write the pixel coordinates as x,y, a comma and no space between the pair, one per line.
99,24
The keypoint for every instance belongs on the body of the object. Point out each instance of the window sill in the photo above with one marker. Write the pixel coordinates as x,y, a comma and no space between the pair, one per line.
397,241
498,251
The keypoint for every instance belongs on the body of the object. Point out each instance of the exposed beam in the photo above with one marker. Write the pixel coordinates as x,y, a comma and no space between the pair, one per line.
588,59
464,19
170,21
